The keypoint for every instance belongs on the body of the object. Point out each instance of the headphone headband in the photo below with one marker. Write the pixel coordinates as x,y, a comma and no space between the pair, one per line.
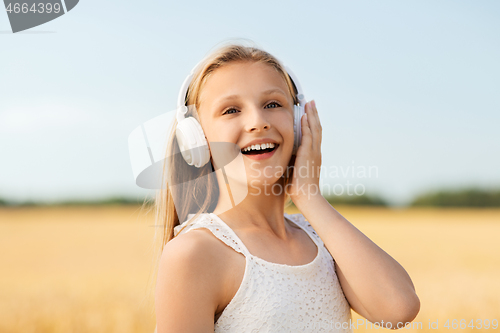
295,82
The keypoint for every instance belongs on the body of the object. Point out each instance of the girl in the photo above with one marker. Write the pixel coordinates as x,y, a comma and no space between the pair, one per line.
244,265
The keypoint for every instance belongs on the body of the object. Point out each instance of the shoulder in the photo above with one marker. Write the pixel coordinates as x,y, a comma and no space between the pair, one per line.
199,240
189,247
194,251
190,280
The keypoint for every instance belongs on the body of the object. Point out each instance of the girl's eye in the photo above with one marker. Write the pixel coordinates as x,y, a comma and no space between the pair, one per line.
227,111
271,105
277,105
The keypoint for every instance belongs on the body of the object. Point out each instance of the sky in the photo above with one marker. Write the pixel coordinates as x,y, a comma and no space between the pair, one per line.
405,89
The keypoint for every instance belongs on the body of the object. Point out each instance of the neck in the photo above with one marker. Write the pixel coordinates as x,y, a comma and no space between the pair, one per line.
245,207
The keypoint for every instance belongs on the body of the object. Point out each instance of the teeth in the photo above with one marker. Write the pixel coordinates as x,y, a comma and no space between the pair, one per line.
259,147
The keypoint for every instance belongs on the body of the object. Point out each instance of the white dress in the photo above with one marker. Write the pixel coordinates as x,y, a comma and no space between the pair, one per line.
277,297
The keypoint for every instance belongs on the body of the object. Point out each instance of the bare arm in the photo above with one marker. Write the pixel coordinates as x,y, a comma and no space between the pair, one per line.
375,285
187,290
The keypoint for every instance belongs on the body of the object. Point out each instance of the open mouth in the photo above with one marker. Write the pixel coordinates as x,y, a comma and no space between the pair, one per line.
261,151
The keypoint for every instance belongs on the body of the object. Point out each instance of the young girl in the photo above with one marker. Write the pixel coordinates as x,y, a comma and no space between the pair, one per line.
244,265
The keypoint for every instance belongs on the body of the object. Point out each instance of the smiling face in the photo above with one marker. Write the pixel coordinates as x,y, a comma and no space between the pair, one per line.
246,101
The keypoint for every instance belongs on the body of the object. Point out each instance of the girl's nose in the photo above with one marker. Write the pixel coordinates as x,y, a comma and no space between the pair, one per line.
257,121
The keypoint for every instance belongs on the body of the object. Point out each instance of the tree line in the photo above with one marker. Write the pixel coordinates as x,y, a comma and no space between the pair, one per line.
471,197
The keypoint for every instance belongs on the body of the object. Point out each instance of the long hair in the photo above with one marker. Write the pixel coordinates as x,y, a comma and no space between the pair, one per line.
200,193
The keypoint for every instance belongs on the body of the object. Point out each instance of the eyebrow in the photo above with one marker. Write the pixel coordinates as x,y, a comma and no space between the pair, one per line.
267,92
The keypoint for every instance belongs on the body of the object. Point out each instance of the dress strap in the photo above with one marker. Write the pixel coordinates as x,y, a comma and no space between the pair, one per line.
213,223
223,232
301,221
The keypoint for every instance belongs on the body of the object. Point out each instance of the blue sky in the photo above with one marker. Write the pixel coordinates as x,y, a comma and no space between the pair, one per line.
410,87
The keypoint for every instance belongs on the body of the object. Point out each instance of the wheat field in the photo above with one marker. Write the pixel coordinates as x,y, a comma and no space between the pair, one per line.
89,269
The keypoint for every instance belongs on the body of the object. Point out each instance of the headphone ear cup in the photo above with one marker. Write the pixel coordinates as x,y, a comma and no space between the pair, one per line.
298,112
192,142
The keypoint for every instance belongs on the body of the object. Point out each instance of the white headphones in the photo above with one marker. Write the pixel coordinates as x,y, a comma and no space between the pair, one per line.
148,142
191,138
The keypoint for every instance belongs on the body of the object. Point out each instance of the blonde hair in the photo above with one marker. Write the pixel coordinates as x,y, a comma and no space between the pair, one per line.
201,194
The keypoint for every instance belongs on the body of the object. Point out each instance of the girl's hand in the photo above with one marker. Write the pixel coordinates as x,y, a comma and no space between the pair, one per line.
305,183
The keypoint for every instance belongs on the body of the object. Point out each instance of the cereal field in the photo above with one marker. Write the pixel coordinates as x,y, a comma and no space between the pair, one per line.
89,269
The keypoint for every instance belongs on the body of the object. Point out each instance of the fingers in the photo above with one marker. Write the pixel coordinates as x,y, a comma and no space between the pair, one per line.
313,125
306,130
314,117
